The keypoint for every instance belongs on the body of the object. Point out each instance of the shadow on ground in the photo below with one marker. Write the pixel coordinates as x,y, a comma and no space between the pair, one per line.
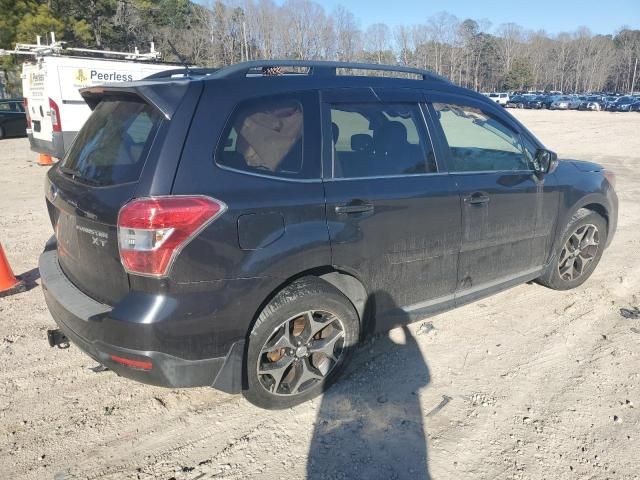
370,424
30,278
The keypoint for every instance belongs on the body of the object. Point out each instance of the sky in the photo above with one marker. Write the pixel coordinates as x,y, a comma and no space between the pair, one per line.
553,16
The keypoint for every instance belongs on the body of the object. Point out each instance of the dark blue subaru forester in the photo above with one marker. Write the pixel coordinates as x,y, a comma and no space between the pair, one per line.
244,228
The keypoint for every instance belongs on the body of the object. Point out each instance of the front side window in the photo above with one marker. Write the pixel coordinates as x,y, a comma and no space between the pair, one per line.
265,136
373,139
478,142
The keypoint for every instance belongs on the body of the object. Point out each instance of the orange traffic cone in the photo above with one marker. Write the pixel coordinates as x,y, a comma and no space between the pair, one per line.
45,160
9,284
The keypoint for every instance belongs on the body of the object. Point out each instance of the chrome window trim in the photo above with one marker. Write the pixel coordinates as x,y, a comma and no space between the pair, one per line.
272,177
485,172
380,177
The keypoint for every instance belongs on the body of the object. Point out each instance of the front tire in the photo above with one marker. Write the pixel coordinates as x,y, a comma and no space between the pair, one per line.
578,252
1,133
299,344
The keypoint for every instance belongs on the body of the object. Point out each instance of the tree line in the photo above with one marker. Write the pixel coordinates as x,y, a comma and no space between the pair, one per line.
471,52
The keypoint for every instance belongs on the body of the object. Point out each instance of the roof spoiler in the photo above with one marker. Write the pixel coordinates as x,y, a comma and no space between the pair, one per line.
165,97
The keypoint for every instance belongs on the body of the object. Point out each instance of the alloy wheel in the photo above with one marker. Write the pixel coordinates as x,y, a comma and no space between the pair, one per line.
580,249
301,352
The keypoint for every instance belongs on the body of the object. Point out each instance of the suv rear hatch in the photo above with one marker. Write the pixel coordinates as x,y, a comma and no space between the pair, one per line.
99,174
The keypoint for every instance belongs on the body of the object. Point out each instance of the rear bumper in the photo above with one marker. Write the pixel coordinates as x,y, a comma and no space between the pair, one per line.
90,326
59,144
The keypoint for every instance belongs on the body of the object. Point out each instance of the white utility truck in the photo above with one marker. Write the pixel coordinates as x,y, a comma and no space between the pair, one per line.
50,84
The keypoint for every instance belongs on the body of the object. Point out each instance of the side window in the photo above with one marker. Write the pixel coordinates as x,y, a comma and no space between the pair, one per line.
5,107
529,149
373,139
478,142
265,136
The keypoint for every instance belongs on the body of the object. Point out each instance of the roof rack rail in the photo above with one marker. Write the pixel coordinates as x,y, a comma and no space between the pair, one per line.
320,68
182,71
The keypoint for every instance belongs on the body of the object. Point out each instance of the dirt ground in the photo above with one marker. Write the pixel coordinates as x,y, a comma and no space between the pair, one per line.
527,384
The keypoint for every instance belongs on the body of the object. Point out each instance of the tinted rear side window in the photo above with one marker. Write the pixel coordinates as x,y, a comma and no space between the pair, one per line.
265,136
113,144
375,139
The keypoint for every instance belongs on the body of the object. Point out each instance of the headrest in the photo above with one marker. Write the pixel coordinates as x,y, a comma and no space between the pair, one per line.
335,131
393,133
361,142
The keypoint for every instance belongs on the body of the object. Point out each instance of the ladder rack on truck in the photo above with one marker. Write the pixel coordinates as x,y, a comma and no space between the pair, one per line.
39,49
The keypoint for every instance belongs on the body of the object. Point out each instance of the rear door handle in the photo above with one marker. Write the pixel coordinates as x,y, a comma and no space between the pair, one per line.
354,208
477,198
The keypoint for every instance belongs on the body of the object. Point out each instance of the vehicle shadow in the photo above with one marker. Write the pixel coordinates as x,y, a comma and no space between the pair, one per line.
30,278
370,423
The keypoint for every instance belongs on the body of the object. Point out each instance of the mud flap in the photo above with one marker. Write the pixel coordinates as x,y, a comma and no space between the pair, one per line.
229,379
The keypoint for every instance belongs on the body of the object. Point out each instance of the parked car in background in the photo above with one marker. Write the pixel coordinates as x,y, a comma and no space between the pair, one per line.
592,102
500,98
246,232
516,101
13,120
534,102
548,100
622,104
565,102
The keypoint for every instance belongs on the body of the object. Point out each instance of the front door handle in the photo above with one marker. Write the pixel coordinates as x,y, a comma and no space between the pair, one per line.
353,207
477,198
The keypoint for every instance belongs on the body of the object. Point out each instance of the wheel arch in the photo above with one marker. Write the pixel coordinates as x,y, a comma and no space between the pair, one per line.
594,203
346,282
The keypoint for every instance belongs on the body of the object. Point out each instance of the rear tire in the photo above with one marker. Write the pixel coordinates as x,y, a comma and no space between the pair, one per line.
578,252
304,336
1,133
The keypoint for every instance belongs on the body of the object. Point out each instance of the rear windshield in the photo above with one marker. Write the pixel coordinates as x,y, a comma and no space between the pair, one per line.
113,144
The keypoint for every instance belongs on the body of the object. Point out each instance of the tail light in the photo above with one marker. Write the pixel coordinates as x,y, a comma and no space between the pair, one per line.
153,231
26,112
55,116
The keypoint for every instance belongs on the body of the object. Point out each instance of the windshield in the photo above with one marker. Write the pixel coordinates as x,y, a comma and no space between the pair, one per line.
113,144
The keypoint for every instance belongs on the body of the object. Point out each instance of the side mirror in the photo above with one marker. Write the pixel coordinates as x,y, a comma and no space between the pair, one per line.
545,161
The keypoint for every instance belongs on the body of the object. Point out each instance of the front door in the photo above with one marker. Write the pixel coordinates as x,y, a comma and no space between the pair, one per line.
501,198
393,214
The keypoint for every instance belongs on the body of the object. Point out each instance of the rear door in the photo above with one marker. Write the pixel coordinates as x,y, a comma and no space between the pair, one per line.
86,190
35,84
501,196
393,214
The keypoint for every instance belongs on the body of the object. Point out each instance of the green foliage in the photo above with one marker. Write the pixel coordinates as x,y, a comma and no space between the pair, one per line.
519,76
38,22
13,13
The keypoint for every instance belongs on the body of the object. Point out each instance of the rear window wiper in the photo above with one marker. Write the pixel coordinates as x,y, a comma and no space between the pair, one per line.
79,178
